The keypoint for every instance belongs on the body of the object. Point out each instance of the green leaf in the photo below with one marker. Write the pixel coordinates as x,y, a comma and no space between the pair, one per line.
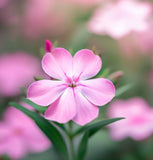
89,131
42,51
60,125
93,128
37,78
103,73
39,108
56,44
123,89
49,129
71,51
83,146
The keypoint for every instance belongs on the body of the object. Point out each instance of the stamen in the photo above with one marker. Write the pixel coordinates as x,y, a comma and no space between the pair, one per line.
72,85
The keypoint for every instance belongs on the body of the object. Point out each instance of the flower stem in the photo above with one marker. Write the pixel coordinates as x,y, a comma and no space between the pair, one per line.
70,134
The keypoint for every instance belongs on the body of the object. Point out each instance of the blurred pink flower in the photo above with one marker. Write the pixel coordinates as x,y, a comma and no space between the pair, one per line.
138,122
2,3
144,40
17,70
43,18
8,16
19,135
138,43
73,97
120,18
85,2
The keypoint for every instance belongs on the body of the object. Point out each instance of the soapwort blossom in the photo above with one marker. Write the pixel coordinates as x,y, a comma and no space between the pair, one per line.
71,95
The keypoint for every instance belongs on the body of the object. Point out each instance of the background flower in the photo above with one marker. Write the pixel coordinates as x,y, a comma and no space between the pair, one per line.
17,70
19,135
2,3
43,18
120,18
138,119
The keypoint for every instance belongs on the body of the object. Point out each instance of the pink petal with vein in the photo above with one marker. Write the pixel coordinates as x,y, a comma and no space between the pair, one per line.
86,64
98,91
63,109
58,64
45,92
86,111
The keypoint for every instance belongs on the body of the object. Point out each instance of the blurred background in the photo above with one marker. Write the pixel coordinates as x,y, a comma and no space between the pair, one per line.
120,31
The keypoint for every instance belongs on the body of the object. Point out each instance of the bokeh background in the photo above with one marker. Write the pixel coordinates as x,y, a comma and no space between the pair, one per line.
120,31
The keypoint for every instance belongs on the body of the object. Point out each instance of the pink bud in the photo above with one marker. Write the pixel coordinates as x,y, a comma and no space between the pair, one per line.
48,46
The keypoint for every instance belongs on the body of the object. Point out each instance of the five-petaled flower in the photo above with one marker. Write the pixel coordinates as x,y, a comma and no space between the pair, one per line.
71,95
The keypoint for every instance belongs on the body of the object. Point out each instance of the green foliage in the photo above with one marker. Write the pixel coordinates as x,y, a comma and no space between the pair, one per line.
38,78
56,44
123,89
5,157
35,106
88,131
42,52
93,128
83,146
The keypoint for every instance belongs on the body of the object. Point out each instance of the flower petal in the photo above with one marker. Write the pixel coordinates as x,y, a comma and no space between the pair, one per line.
4,132
99,91
45,92
58,63
86,111
86,64
63,109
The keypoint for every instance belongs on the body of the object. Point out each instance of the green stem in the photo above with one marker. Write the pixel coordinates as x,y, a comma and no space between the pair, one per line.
72,149
70,134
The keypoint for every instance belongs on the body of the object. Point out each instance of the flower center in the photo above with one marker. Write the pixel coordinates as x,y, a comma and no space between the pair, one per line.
72,85
17,132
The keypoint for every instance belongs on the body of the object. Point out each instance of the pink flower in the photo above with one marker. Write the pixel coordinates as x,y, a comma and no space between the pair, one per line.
144,40
8,16
72,96
43,18
85,2
138,42
2,3
16,71
120,18
19,135
138,122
